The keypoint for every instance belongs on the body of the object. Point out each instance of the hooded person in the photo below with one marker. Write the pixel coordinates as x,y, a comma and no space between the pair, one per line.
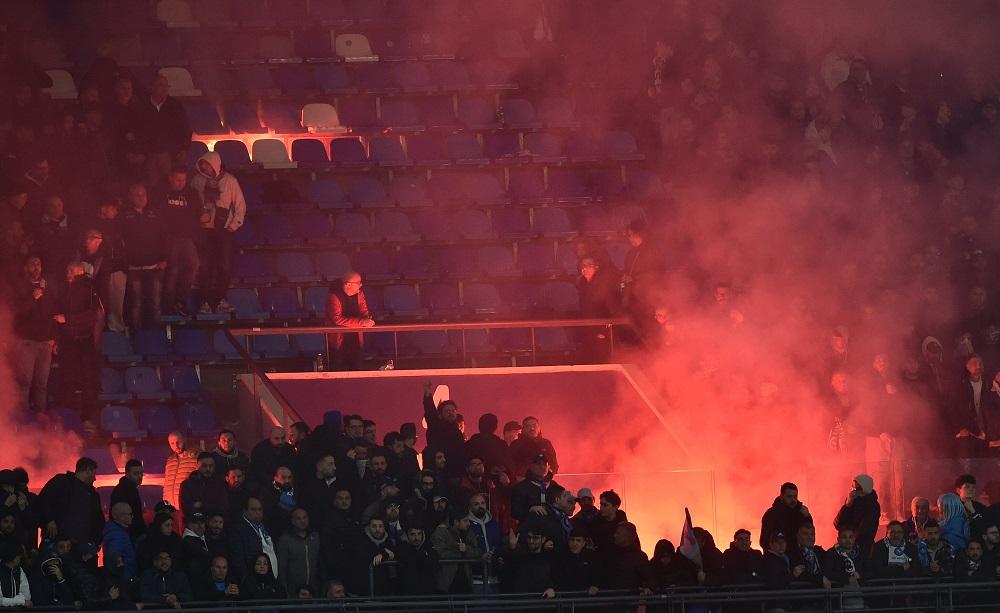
954,521
50,586
223,214
861,511
14,588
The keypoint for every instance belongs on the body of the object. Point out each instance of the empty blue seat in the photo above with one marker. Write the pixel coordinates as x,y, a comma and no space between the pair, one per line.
558,296
622,146
519,114
113,385
315,229
553,340
223,346
199,420
451,76
279,231
584,148
494,74
234,154
195,344
256,80
597,221
448,188
435,225
528,187
157,419
120,422
253,268
427,150
246,303
646,186
569,186
439,114
242,117
553,222
376,78
394,226
282,302
348,152
557,112
503,148
544,148
413,77
272,346
282,116
606,183
409,191
309,151
513,223
387,151
463,148
376,263
358,112
183,381
115,347
333,78
402,301
567,259
478,114
144,383
352,227
428,342
314,300
473,224
459,262
485,189
294,79
482,298
309,344
417,263
327,194
195,150
496,261
332,264
369,193
296,267
537,259
442,299
153,345
511,340
67,419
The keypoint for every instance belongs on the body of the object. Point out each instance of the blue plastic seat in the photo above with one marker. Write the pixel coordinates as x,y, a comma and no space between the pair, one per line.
451,76
494,75
427,150
195,150
513,223
485,189
511,340
253,268
242,116
482,298
558,296
113,386
394,226
463,148
294,79
622,146
448,188
327,194
272,346
333,78
402,301
417,263
369,193
435,225
473,224
496,261
537,259
413,78
528,187
199,420
646,186
153,345
358,112
144,383
68,420
409,191
554,223
256,80
352,227
183,381
442,299
387,151
234,154
519,114
438,113
554,340
282,302
116,348
544,148
503,148
597,221
428,342
478,114
459,262
569,186
246,303
332,264
309,344
120,422
376,264
195,344
566,259
557,112
314,300
606,183
157,419
376,78
348,152
584,148
296,267
309,151
223,346
315,229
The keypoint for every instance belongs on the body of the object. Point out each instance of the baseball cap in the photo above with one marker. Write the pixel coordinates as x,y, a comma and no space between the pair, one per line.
585,493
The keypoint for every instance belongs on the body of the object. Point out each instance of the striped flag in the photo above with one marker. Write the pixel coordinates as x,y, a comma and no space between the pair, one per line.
689,544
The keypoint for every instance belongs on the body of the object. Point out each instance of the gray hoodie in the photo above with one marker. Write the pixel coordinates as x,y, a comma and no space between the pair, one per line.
221,195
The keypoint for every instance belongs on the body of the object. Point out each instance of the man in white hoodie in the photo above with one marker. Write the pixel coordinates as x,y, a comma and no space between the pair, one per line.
224,211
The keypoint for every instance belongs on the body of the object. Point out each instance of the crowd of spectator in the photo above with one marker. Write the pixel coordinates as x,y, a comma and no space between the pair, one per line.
334,511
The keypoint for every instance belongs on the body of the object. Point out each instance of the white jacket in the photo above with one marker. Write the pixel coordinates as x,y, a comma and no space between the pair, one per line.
23,595
230,200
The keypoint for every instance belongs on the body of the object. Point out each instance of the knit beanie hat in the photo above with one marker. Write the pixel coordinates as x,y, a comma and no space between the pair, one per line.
867,483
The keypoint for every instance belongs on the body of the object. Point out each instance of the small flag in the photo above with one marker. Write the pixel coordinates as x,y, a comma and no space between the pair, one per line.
689,544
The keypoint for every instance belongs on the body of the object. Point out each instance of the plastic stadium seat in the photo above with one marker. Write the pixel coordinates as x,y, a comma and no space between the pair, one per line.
234,154
503,147
199,420
569,186
622,146
295,79
348,152
279,231
195,150
246,303
376,263
448,188
67,419
401,116
144,383
369,193
459,262
606,183
482,298
409,191
478,114
256,80
544,148
120,422
271,153
247,236
183,381
387,151
157,420
553,340
113,385
494,74
435,225
511,340
331,13
63,87
333,79
519,114
296,267
451,76
513,223
528,187
473,224
116,348
314,300
441,299
496,261
195,344
281,115
584,148
327,194
242,116
645,185
417,263
309,152
48,53
282,302
567,259
402,301
558,296
428,342
463,148
320,117
439,114
223,346
554,223
537,259
413,78
394,226
309,344
484,189
352,227
427,150
203,118
253,268
557,112
271,47
152,344
181,82
358,111
354,48
597,221
332,264
272,346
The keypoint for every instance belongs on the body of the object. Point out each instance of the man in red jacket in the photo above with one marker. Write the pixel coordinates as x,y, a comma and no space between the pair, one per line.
346,307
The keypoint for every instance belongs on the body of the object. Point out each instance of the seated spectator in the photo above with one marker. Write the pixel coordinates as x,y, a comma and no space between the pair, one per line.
298,553
920,514
453,540
861,512
217,585
671,569
809,555
21,506
14,588
305,592
203,492
163,585
260,582
49,584
894,557
626,567
742,563
936,555
223,199
576,570
335,590
529,445
117,544
228,454
954,521
970,565
417,560
160,537
778,574
197,556
127,491
844,562
145,257
786,515
530,564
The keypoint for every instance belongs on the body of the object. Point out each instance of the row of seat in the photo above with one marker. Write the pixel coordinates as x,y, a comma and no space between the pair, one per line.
180,382
155,420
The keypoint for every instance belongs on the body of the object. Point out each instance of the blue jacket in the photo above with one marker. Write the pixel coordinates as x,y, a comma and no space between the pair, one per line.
117,542
487,533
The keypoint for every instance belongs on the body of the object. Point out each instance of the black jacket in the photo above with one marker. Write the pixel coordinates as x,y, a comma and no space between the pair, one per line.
528,493
144,236
742,566
489,448
244,546
443,436
74,506
416,568
205,495
265,459
599,297
155,584
576,572
167,129
33,318
625,568
781,518
523,450
862,515
128,492
838,568
181,211
879,567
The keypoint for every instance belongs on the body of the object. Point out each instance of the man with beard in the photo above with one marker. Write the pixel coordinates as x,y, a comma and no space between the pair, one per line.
372,549
488,539
339,533
786,515
741,563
